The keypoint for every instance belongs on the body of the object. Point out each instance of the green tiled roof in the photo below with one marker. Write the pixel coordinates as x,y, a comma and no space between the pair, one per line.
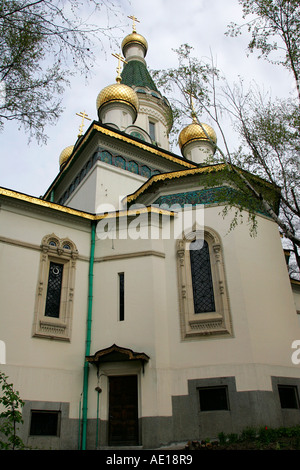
135,73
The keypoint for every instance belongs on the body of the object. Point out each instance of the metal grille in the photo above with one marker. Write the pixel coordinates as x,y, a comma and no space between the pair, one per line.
54,290
201,277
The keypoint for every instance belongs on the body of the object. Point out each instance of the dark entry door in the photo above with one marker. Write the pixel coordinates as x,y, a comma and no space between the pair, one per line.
123,410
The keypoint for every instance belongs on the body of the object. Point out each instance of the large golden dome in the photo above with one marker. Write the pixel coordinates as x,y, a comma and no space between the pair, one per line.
65,154
194,132
132,38
118,93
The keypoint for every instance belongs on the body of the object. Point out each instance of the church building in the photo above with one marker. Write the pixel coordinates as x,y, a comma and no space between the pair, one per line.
130,314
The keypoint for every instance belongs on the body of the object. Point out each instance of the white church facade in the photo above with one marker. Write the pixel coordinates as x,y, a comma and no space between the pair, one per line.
131,316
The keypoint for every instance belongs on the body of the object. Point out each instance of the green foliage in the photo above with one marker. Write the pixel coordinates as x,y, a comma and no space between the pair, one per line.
263,438
268,130
275,31
232,438
222,438
42,44
10,416
248,434
192,77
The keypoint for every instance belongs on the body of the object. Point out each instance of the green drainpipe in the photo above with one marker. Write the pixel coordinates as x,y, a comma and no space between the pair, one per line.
88,339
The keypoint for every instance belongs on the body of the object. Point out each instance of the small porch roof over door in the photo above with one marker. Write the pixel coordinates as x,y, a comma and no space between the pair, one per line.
116,353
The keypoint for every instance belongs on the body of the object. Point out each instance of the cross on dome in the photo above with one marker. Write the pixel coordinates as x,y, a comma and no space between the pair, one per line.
120,58
134,19
84,116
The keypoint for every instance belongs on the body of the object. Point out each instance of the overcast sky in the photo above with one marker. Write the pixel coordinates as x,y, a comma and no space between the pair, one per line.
166,24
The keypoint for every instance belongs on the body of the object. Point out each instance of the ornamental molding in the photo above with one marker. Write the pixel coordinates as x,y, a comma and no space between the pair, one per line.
156,114
64,252
199,325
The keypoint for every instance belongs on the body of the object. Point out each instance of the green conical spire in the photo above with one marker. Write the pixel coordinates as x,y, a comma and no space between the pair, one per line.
135,73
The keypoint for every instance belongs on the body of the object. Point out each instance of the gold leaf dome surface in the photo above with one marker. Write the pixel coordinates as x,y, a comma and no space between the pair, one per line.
65,154
195,132
132,38
118,93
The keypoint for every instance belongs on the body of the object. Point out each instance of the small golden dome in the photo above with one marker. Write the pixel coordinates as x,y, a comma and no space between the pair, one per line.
132,38
65,154
194,132
118,93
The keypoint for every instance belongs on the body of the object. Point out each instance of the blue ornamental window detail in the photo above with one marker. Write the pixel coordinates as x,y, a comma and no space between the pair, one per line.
203,291
138,135
120,162
145,171
106,157
133,167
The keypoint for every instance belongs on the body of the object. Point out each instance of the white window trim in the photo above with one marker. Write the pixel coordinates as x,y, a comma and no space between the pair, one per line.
44,326
199,325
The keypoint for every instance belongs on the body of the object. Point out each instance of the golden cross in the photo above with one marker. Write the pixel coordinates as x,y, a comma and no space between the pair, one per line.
84,116
120,58
134,19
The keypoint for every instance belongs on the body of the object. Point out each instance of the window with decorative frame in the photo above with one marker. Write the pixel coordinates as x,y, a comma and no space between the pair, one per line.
54,298
203,295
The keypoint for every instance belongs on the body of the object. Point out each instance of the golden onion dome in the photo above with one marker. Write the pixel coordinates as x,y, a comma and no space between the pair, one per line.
194,132
118,93
65,154
134,38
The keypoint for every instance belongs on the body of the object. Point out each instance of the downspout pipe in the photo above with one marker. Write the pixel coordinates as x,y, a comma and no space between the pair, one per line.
88,338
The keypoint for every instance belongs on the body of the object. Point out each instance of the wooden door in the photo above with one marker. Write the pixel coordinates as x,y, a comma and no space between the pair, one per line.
123,410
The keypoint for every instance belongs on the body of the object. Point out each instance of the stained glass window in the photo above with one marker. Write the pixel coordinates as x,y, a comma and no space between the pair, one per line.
54,290
201,277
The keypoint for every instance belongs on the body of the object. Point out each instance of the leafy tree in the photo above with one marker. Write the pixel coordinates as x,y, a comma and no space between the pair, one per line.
11,416
268,129
42,43
270,148
275,32
271,129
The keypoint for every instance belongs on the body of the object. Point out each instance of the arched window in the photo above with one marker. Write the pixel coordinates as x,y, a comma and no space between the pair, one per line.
203,291
53,297
204,302
55,289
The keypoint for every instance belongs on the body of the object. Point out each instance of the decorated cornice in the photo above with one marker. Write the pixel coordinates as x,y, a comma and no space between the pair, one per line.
145,147
173,175
107,157
42,203
120,137
157,179
205,196
16,196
